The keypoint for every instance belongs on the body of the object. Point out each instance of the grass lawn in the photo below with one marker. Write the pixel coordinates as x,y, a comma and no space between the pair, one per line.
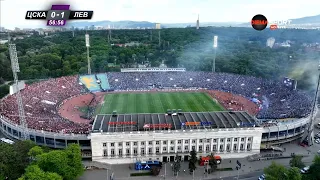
158,102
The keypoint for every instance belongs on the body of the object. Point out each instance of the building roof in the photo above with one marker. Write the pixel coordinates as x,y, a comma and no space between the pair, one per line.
183,121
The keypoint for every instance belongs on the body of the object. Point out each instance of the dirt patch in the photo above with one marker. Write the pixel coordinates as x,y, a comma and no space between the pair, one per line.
234,102
69,109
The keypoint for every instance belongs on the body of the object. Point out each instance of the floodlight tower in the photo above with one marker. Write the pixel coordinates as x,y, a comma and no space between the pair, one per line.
215,45
309,134
88,45
15,70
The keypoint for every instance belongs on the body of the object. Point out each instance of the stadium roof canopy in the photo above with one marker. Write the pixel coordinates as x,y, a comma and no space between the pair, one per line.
183,121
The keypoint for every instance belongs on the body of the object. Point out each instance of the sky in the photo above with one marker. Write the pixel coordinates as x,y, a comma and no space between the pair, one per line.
12,12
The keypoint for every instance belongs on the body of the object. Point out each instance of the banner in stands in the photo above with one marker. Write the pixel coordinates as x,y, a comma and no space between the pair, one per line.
122,123
196,123
157,126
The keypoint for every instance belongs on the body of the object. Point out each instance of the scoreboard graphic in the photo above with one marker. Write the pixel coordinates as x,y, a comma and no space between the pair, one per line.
58,15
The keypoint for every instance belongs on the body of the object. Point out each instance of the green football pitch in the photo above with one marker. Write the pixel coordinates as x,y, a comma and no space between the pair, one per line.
126,103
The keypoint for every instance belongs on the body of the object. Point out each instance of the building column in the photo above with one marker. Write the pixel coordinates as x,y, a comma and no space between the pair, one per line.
245,143
161,147
218,145
109,149
147,148
211,144
225,145
232,144
175,146
197,145
139,149
153,148
116,149
182,145
131,149
168,146
239,142
190,145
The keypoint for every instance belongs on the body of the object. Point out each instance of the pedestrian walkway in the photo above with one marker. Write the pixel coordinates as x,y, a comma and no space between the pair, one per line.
122,172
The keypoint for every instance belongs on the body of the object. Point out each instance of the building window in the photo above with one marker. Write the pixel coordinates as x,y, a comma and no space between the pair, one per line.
127,144
186,148
193,141
229,139
135,151
112,144
200,148
150,150
157,149
214,147
179,141
164,142
249,139
193,147
200,140
242,139
142,143
172,142
186,141
207,148
150,142
235,139
208,140
105,152
120,143
214,140
135,143
221,140
248,147
112,152
164,149
104,144
171,149
120,152
235,147
179,148
157,142
241,147
127,151
221,148
142,151
228,147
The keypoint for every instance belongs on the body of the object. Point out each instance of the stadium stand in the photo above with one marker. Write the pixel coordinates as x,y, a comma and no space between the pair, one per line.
104,81
90,82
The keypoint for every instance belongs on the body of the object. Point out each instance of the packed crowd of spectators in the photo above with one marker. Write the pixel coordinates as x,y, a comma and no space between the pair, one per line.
277,100
40,101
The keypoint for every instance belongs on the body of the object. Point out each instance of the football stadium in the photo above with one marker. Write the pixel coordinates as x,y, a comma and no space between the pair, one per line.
155,113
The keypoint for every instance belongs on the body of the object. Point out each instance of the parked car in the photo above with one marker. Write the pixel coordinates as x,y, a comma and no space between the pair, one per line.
305,170
317,141
262,177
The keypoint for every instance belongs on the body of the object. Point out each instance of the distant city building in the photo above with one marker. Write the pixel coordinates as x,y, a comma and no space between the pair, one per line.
270,42
158,26
17,29
92,27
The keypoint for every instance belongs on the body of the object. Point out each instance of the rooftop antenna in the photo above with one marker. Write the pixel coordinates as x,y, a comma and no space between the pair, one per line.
198,22
215,45
15,69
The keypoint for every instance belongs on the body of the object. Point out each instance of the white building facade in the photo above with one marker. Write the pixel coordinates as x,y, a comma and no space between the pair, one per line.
129,147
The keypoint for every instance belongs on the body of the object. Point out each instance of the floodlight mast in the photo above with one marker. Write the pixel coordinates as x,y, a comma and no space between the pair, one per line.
15,70
88,45
215,45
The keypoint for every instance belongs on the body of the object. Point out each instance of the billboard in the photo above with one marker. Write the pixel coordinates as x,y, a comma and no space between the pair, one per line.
122,123
157,126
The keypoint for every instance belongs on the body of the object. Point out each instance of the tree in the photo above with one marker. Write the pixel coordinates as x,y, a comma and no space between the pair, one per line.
176,165
193,160
35,151
279,172
296,161
314,173
213,163
35,173
66,163
155,170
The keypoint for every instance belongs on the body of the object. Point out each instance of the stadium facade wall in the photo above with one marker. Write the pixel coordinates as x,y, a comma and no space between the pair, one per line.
121,148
